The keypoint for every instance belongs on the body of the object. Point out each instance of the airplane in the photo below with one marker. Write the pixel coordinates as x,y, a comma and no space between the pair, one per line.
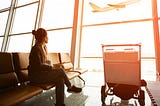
112,6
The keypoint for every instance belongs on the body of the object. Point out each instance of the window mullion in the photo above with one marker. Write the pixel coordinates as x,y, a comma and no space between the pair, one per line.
8,25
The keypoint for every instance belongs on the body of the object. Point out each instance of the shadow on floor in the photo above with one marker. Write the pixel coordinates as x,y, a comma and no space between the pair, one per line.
48,98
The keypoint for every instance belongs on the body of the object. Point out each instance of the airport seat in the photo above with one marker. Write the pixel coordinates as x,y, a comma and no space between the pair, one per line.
21,62
11,92
68,66
15,86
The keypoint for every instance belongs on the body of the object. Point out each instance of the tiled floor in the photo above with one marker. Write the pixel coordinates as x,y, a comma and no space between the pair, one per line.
90,96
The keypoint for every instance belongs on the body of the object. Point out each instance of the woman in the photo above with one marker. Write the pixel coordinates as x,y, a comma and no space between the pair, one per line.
40,71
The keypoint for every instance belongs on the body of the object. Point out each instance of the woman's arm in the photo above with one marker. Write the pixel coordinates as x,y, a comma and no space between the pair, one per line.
36,60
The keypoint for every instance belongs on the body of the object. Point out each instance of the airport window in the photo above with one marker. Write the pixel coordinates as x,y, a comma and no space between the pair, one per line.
1,40
59,40
121,25
58,14
95,36
58,19
24,19
5,4
23,2
129,12
3,21
20,43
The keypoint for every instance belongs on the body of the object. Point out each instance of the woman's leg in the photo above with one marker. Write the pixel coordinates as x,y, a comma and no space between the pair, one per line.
61,73
59,92
54,76
60,78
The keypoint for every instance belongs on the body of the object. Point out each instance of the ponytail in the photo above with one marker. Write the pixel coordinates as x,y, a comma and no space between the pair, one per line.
34,32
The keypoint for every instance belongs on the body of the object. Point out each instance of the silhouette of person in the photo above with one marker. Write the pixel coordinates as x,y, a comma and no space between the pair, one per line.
40,71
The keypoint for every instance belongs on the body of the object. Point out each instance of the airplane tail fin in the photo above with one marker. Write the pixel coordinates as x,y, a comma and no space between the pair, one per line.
95,7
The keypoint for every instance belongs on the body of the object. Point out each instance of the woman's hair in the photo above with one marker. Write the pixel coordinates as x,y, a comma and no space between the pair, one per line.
40,34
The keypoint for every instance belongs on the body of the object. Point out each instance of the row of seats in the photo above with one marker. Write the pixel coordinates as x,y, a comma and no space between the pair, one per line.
14,82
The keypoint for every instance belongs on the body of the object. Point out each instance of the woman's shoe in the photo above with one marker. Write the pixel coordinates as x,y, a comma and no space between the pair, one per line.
74,89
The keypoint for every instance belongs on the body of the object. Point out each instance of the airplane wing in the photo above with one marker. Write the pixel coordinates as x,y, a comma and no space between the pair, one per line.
99,9
112,6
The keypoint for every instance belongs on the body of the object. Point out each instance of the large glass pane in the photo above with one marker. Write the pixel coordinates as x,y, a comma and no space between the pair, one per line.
20,43
93,37
22,2
59,41
3,21
5,4
138,10
140,32
1,41
25,19
58,13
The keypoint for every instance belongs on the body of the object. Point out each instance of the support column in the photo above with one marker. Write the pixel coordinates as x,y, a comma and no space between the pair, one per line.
77,33
156,35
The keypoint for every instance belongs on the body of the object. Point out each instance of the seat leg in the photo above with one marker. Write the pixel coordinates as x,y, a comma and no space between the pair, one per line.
82,79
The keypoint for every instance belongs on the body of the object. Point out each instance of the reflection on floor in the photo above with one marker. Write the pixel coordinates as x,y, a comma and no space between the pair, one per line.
90,96
153,89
